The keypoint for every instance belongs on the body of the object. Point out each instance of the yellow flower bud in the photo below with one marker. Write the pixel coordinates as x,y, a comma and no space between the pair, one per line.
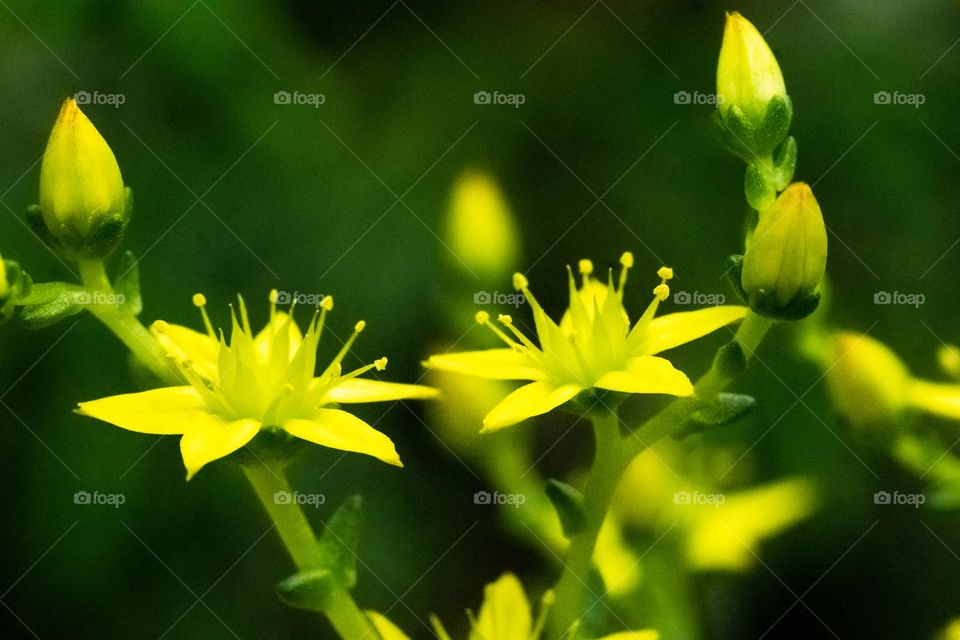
787,254
748,75
869,384
82,198
480,228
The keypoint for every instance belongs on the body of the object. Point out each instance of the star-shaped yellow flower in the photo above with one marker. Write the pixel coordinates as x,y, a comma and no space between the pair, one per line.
254,382
505,614
595,346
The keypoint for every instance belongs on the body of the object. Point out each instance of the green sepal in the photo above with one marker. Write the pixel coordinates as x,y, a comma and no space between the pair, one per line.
785,163
730,360
797,309
568,503
736,132
734,274
127,285
723,409
51,302
311,590
775,125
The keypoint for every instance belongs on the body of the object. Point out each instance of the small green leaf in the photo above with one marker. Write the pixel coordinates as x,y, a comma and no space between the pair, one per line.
720,411
568,503
127,285
51,302
339,541
308,589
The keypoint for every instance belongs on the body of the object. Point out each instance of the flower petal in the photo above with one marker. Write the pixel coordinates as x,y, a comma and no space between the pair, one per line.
505,613
633,635
365,390
211,438
386,629
341,430
937,398
672,330
165,411
498,364
647,374
530,400
270,337
186,344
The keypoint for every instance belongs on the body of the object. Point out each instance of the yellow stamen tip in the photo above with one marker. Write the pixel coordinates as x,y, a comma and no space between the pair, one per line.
520,281
380,364
505,319
627,259
482,317
662,292
327,303
586,267
159,326
665,273
199,300
274,296
360,326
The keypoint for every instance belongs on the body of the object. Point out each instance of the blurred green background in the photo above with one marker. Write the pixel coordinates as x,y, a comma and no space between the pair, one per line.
236,193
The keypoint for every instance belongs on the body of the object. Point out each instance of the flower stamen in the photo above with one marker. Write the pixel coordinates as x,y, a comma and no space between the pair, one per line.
200,301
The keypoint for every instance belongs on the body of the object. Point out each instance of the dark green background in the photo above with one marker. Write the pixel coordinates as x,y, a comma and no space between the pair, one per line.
293,194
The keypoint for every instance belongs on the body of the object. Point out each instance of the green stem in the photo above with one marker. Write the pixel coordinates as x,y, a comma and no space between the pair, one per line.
608,467
613,455
301,543
126,327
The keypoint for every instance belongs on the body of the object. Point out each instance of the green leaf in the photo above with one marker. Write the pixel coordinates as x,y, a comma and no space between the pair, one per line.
51,302
339,541
308,589
723,409
568,503
127,285
759,190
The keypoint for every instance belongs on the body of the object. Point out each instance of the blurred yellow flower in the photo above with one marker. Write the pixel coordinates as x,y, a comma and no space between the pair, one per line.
594,346
725,535
870,385
254,382
480,228
505,614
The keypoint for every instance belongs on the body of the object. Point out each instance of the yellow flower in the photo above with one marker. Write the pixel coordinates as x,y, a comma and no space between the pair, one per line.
480,228
725,536
82,198
951,631
595,346
748,75
262,381
506,614
870,385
